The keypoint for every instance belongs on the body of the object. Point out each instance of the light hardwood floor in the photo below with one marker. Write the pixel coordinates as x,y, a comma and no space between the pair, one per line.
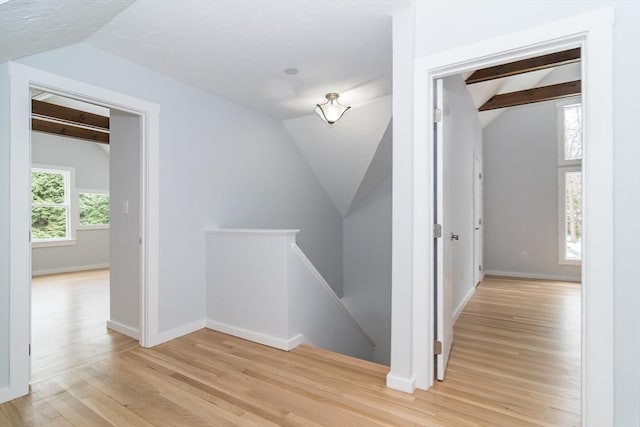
515,362
69,315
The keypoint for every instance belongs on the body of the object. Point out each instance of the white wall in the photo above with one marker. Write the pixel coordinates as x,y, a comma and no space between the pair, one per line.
521,193
220,165
445,24
463,140
4,226
124,211
247,281
627,205
91,165
367,266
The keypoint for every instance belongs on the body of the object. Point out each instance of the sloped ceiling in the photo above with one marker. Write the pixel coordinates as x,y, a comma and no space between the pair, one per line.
341,154
239,49
28,27
481,92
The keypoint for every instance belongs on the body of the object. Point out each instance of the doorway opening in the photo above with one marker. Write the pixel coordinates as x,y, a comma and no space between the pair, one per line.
593,34
84,215
510,138
19,82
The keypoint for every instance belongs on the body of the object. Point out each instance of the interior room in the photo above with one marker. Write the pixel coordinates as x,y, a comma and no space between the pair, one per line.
307,212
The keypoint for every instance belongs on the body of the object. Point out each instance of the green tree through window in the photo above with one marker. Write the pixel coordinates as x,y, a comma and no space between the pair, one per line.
94,209
49,204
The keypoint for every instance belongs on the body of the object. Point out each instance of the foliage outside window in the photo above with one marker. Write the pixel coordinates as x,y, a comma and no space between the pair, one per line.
49,205
570,180
94,209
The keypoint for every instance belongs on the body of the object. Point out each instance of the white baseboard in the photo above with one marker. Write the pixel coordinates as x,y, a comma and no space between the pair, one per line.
124,329
5,394
174,333
538,276
408,385
70,269
463,303
260,338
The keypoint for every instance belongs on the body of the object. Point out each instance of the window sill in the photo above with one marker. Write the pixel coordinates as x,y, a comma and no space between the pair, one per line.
53,243
92,227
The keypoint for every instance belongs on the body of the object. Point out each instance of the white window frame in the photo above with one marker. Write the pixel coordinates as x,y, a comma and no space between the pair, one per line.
562,222
560,105
72,207
565,166
92,226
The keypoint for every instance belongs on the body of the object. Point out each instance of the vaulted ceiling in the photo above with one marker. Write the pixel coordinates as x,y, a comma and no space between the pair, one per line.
240,49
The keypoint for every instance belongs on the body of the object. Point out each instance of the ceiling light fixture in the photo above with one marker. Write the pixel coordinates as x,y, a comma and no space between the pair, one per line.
331,110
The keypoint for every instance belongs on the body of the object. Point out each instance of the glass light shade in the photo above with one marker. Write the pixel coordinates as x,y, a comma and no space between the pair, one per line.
331,110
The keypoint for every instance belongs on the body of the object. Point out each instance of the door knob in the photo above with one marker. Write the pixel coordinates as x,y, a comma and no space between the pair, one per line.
454,236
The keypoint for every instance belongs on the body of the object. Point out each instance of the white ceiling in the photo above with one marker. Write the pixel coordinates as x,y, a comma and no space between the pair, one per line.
31,26
341,154
238,49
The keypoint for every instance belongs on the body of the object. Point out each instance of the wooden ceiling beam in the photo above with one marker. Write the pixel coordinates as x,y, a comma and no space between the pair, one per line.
69,130
524,66
58,112
530,96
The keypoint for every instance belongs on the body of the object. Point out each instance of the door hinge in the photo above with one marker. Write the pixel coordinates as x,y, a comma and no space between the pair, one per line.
437,231
437,115
480,176
437,348
480,267
29,349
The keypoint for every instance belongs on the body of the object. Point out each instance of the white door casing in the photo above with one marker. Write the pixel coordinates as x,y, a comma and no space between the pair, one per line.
21,79
593,32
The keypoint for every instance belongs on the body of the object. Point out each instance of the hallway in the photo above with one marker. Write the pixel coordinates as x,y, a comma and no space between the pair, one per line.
515,361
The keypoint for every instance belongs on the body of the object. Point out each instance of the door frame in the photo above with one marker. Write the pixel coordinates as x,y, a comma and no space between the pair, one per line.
593,32
21,79
478,203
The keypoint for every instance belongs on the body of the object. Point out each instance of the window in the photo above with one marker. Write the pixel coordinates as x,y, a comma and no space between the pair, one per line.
50,205
93,209
570,183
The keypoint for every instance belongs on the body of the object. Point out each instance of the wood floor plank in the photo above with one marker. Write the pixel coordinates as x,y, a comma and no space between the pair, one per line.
515,362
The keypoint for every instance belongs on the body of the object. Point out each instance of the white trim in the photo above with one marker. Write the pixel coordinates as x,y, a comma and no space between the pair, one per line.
533,276
124,329
593,32
463,303
174,333
50,243
70,269
252,231
260,338
21,79
399,383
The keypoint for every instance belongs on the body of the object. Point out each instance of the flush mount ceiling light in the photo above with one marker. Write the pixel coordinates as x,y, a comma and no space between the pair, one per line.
331,110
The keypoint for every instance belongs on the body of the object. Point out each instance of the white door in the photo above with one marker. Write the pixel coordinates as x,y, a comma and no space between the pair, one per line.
477,220
442,245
